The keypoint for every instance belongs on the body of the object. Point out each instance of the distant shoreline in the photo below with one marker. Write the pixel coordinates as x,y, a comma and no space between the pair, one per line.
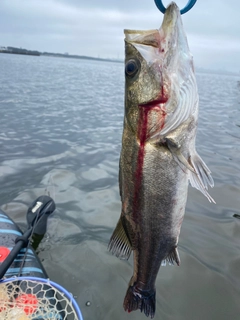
23,53
62,55
13,50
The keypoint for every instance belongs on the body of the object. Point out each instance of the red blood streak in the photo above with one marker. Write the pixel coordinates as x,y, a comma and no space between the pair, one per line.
142,136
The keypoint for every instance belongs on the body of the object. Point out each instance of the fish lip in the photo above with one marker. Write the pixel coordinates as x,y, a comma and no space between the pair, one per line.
171,16
170,28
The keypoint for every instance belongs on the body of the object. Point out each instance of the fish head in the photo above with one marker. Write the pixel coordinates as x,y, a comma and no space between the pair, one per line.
157,65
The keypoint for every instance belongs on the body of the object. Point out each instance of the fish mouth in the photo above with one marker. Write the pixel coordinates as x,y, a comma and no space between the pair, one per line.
158,42
150,37
172,32
171,16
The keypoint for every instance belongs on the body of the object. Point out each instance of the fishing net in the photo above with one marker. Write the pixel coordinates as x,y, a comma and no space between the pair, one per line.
25,298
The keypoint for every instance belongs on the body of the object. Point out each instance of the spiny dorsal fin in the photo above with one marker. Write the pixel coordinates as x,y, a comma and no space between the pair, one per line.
119,244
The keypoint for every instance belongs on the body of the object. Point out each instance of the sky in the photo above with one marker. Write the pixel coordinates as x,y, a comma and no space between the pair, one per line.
95,27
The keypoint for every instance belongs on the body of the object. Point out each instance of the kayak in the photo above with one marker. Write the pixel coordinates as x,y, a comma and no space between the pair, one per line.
27,262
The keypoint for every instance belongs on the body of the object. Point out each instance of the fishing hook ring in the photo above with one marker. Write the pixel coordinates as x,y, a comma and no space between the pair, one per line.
188,6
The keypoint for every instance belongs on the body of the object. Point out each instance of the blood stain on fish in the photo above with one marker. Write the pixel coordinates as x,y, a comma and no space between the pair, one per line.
142,135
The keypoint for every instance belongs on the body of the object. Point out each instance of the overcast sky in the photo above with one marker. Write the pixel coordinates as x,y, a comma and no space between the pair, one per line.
95,27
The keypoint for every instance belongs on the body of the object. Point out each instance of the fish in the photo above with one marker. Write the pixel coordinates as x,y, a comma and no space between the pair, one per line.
158,155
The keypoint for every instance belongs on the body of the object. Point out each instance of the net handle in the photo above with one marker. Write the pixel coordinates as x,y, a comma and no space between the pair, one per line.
52,283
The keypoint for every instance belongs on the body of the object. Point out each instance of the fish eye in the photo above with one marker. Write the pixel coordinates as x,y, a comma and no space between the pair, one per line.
131,68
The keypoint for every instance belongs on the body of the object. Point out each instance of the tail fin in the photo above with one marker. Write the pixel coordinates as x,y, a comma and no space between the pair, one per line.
136,299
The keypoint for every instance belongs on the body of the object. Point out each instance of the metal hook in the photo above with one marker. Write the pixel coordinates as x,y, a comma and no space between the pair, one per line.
189,6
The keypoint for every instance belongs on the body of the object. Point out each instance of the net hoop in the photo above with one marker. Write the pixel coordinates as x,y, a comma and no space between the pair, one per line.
51,283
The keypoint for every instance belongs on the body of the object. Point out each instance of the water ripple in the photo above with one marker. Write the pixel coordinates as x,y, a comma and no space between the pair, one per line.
61,134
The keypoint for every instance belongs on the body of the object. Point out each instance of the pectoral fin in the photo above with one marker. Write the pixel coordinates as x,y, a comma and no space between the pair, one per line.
202,176
120,244
176,152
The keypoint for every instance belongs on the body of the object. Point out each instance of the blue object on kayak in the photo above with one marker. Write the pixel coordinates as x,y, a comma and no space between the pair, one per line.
188,6
9,232
37,216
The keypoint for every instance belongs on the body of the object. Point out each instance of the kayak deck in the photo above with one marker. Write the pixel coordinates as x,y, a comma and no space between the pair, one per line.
26,263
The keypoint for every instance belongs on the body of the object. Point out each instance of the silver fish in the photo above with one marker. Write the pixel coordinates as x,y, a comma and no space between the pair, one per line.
158,155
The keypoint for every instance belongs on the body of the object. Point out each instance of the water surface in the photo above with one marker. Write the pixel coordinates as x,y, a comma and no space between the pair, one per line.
61,125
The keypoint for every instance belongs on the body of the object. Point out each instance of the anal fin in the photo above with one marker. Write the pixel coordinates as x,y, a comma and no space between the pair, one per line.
119,244
173,257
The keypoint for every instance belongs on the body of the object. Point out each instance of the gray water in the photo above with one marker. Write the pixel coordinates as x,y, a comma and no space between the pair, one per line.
60,133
